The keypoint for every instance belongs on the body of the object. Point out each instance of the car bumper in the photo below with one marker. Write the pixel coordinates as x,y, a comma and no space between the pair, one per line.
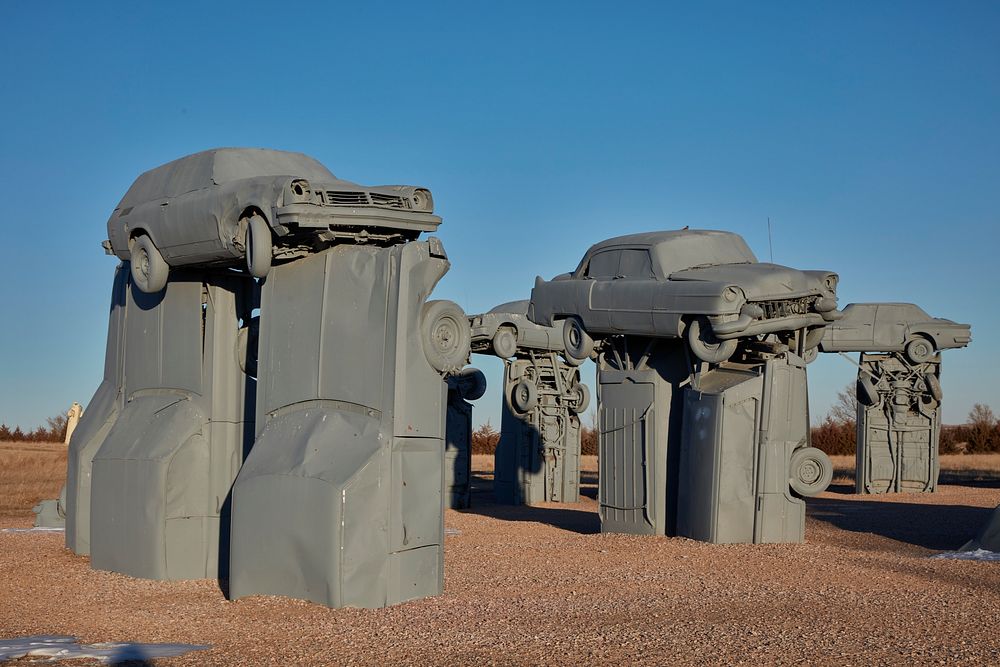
746,326
311,216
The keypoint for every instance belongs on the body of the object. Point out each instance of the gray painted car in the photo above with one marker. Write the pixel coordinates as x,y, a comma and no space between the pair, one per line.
506,328
227,205
894,327
706,286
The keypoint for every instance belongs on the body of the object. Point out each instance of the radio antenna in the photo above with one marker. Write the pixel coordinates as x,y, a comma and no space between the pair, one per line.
770,245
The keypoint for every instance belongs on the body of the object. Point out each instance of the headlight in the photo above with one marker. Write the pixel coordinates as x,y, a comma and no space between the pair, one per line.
422,200
732,294
831,282
300,190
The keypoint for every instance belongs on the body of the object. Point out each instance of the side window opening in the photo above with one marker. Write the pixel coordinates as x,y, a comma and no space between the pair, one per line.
635,263
604,265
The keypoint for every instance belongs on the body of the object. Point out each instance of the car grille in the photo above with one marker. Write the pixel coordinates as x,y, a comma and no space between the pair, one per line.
344,198
787,307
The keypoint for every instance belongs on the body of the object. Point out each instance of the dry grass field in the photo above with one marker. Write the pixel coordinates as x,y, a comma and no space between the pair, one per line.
29,472
542,585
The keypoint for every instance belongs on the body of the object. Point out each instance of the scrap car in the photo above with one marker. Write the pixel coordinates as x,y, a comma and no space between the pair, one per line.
227,206
894,327
701,285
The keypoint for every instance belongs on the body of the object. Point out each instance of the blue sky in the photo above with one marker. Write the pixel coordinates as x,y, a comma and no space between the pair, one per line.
868,132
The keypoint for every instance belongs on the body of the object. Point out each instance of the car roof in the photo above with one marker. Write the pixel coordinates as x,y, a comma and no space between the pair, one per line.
218,166
682,248
653,238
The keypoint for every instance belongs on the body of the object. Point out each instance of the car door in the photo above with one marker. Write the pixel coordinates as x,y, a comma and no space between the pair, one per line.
601,272
889,331
631,293
855,331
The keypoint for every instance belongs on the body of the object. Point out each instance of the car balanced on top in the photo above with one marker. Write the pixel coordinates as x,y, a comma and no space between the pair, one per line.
226,206
701,285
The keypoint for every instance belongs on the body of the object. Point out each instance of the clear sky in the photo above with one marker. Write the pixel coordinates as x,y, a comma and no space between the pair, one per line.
868,132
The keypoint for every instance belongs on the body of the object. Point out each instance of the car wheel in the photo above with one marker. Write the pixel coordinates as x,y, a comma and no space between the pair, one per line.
919,350
810,471
705,345
577,341
505,342
933,387
259,249
580,394
524,397
446,337
471,384
149,269
866,391
814,337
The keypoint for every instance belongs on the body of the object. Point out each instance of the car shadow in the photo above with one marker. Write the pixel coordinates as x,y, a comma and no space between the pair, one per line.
583,520
937,527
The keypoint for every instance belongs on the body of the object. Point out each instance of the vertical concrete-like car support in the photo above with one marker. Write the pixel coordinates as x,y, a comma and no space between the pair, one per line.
101,414
341,498
538,457
899,424
469,385
711,452
162,475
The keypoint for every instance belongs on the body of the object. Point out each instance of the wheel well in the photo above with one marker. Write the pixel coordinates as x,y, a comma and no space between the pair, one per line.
915,335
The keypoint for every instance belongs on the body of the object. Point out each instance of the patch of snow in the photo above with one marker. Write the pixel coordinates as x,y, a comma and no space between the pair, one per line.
452,531
36,529
977,554
63,647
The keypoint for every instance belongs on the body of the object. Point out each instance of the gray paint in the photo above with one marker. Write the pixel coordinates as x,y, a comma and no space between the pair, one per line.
640,409
892,327
341,498
898,433
661,283
101,414
162,475
742,423
196,210
538,457
469,385
513,317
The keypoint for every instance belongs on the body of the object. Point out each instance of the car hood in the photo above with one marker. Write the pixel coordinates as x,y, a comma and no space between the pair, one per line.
758,281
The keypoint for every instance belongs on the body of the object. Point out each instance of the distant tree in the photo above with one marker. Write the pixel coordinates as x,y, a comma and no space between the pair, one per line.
18,434
485,439
982,429
5,433
845,409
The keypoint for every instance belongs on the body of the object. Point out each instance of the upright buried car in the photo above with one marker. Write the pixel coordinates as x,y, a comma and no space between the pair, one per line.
706,286
227,205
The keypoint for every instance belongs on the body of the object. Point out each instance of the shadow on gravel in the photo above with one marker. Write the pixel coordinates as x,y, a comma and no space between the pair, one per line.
574,520
937,527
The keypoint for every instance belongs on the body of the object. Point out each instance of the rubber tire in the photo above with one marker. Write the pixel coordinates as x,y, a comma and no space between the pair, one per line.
934,387
505,342
810,471
524,397
704,345
581,393
247,340
471,384
866,392
446,337
576,341
149,270
919,350
259,249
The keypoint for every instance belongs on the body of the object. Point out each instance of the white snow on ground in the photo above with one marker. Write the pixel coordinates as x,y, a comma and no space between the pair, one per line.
978,554
36,529
62,647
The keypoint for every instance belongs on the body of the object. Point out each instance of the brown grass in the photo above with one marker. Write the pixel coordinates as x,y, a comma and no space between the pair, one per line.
29,472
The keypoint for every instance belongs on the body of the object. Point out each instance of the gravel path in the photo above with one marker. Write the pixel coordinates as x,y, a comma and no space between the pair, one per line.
542,586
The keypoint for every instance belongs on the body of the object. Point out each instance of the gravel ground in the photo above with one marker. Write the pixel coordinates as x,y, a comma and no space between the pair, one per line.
542,586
